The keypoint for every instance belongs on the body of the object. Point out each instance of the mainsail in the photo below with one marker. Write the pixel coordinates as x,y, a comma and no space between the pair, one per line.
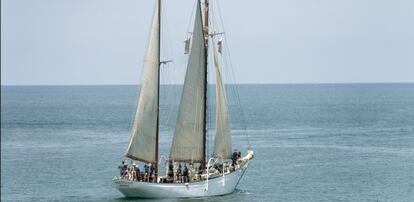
222,142
188,140
142,144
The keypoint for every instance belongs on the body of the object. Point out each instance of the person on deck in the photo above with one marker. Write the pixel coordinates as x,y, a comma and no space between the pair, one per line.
146,172
170,170
125,169
121,169
178,174
200,170
151,171
185,174
132,172
191,171
234,157
137,173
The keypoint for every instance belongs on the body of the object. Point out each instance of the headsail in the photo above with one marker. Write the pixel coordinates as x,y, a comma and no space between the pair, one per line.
188,142
222,142
142,144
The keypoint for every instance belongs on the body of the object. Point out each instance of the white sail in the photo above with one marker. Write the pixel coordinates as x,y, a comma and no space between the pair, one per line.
142,144
188,143
222,142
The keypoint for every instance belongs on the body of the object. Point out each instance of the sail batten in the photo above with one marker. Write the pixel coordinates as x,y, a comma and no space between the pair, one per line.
142,144
222,142
188,143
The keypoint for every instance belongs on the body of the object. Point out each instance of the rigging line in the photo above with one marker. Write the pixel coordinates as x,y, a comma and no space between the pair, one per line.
218,17
233,89
210,111
218,27
170,73
213,74
241,175
214,110
233,74
191,17
162,55
166,67
208,108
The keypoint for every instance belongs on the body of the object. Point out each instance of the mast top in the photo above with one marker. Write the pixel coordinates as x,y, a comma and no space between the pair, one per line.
206,21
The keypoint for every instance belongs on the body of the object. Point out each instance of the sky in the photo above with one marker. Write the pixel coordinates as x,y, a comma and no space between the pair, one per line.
94,42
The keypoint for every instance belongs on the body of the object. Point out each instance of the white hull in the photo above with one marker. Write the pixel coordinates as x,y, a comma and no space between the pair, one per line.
217,186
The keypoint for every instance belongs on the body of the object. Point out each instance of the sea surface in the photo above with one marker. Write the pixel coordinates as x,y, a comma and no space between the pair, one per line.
321,142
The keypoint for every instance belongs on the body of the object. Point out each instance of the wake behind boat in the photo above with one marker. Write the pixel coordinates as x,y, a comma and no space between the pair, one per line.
188,173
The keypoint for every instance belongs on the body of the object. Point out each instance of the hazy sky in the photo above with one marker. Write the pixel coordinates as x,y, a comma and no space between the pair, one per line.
271,41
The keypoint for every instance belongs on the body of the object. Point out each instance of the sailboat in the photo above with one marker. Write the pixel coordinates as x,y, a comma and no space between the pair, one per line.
216,175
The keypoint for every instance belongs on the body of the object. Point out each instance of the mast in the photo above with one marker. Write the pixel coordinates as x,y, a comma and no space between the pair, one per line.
158,92
206,30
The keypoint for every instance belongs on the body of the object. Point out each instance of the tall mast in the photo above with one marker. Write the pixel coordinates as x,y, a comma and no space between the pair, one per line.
158,92
206,10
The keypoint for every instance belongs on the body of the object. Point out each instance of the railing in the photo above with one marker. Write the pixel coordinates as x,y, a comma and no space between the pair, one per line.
208,169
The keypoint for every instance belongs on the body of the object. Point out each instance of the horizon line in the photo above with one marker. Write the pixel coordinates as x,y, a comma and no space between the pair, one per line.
299,83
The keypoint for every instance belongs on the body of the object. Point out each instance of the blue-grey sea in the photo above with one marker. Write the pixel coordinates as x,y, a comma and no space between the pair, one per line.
321,142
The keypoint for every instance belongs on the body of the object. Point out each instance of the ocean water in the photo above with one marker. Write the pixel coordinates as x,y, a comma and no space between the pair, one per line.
331,142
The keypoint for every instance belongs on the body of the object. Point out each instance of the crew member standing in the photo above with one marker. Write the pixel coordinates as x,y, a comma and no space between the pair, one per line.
234,157
185,173
178,174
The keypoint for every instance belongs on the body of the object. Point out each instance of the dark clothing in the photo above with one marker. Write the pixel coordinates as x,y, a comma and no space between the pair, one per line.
146,168
121,169
151,172
234,158
125,169
146,174
151,168
137,173
200,170
185,174
170,170
179,175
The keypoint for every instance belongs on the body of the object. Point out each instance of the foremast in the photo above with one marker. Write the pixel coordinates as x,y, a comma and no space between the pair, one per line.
206,37
158,94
